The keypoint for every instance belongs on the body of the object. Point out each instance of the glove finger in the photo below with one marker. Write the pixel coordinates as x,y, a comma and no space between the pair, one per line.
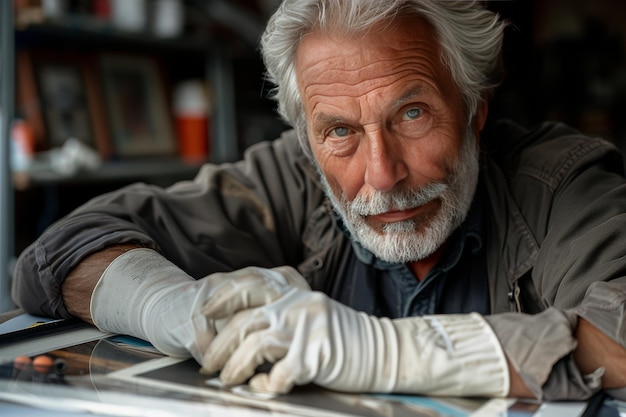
230,337
258,348
293,277
298,365
276,381
248,288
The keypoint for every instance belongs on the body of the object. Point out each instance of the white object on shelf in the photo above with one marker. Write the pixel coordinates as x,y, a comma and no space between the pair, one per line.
168,18
129,15
53,9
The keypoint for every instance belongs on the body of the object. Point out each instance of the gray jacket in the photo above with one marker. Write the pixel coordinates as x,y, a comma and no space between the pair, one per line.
557,223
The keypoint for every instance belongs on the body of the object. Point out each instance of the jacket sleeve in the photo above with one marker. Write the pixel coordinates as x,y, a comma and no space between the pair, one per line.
578,221
230,216
581,266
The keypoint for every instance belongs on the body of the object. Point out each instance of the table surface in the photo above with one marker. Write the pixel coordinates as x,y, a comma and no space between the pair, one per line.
120,365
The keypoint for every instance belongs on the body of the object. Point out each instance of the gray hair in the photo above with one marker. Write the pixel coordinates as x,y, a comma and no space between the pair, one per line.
470,38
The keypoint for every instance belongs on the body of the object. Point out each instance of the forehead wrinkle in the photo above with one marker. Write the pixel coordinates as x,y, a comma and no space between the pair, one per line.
353,71
326,117
329,111
404,40
335,81
318,92
415,57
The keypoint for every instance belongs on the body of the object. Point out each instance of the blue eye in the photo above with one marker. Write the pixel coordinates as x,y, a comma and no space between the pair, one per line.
340,132
413,113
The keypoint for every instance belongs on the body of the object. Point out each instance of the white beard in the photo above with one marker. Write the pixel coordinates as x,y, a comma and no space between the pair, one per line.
408,240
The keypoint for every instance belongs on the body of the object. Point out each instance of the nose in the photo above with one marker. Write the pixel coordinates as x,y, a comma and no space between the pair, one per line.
385,162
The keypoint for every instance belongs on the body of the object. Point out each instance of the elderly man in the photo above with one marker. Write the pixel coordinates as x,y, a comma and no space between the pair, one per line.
447,258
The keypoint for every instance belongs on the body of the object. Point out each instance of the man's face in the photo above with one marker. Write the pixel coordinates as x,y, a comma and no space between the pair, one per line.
387,128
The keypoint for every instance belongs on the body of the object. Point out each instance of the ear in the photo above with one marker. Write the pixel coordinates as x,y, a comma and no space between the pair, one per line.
480,118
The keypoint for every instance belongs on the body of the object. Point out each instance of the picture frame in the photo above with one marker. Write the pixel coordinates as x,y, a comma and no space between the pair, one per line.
97,107
28,105
58,96
137,107
63,100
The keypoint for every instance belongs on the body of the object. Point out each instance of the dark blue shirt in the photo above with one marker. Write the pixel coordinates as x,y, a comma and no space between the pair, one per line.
457,283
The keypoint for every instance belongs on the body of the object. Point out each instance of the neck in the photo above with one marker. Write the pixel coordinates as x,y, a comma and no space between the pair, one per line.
422,267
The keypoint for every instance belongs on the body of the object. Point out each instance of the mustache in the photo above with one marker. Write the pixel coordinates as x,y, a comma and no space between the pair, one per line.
379,202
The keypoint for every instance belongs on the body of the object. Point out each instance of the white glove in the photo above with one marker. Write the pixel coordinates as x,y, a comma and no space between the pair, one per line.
312,338
144,295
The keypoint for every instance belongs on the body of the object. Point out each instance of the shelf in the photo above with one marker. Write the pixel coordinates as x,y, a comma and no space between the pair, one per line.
82,41
158,171
82,32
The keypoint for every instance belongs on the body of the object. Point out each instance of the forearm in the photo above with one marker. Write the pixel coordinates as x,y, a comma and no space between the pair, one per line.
79,284
517,388
595,350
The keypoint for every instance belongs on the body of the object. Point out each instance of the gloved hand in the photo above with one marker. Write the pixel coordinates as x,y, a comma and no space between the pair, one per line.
312,338
144,295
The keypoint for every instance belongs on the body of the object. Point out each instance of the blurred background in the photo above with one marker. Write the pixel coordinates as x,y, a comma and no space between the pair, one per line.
565,61
110,92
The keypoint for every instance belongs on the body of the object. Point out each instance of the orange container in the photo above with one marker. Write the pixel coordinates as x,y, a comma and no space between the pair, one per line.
193,137
192,110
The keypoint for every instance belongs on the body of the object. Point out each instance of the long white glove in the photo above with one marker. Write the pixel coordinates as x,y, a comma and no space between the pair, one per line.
144,295
312,338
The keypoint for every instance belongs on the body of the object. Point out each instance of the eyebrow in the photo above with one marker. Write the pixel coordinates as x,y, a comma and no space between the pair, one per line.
409,95
326,119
